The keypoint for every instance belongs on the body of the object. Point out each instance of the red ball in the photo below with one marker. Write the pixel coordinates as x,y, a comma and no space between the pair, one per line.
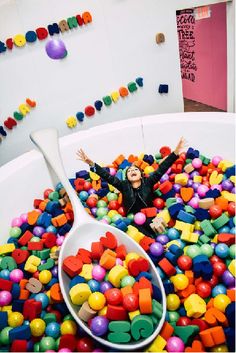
47,192
36,275
113,296
131,302
215,211
203,289
158,203
213,281
57,314
202,324
91,202
121,211
185,262
113,205
214,259
219,268
183,321
87,186
85,344
231,208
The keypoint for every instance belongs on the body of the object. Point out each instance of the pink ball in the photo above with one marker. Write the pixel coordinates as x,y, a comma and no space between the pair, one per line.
216,160
139,218
64,350
197,163
175,344
104,221
119,261
24,217
98,273
5,298
16,275
112,171
193,202
202,190
217,187
16,222
60,240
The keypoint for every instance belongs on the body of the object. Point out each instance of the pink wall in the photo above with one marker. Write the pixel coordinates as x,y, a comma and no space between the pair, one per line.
210,86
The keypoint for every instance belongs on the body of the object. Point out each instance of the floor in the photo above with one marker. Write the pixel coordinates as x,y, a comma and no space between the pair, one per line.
192,106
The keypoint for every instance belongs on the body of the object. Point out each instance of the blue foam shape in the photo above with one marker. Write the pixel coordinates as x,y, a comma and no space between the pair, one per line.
76,280
20,332
3,319
186,217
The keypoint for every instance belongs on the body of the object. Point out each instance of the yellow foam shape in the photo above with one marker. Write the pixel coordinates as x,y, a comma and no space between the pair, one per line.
157,345
197,179
71,122
19,40
195,306
197,225
7,249
132,230
181,179
7,308
112,213
189,236
175,242
228,196
87,271
94,176
215,239
24,109
232,267
132,314
184,226
116,274
215,178
138,236
141,156
224,164
115,96
111,188
32,263
103,311
233,178
165,215
79,293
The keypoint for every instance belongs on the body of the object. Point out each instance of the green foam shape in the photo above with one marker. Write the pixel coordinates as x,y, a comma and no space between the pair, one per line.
121,337
141,327
186,333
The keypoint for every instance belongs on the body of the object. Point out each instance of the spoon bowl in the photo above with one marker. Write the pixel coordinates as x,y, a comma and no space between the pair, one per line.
84,231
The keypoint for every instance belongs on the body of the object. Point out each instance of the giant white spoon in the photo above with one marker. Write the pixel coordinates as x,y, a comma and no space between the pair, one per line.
84,231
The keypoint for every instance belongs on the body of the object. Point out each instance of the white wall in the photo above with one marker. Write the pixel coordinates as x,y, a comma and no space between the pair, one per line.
116,48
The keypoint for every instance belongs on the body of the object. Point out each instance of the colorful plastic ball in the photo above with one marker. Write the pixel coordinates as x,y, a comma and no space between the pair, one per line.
53,329
183,321
68,327
231,209
197,163
222,250
173,316
203,289
207,249
37,327
87,186
5,274
219,268
94,285
91,202
194,202
15,319
180,281
121,211
232,251
173,234
97,301
4,336
101,212
16,275
216,160
51,229
202,190
83,195
24,217
45,276
221,301
15,232
175,344
101,203
113,296
98,273
99,325
127,281
16,222
64,350
173,302
139,218
193,251
43,298
5,298
113,205
156,249
104,286
159,203
116,217
130,216
185,262
218,289
163,239
60,240
38,231
215,211
85,344
111,196
228,279
224,229
227,185
130,302
55,49
47,343
119,262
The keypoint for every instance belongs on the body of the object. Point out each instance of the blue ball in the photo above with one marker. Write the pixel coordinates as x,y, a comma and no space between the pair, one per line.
233,230
218,289
94,285
222,250
5,274
83,195
173,234
51,229
224,229
53,330
43,298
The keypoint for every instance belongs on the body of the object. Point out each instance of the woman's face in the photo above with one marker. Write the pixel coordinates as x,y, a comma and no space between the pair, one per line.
134,174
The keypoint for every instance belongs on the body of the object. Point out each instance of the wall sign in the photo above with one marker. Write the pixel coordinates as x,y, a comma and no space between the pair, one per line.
185,28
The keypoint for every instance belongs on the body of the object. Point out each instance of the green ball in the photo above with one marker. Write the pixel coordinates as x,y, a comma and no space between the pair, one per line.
107,218
116,217
193,251
127,281
57,343
35,240
112,196
101,203
206,249
15,232
47,343
4,336
36,347
131,216
232,251
173,316
54,196
68,317
101,212
106,277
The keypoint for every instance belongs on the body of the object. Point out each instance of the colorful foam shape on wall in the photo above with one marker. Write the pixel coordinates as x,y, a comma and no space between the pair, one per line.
89,110
71,122
160,38
2,131
107,100
139,81
80,116
163,88
132,87
98,105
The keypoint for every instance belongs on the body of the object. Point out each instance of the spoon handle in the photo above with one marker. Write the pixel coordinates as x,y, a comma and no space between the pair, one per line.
47,142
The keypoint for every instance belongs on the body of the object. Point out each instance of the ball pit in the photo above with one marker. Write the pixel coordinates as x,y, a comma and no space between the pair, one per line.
195,332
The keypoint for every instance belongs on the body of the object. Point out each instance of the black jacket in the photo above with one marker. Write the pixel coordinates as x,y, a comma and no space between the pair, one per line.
145,190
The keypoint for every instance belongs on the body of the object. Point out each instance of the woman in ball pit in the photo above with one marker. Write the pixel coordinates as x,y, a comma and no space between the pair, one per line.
137,190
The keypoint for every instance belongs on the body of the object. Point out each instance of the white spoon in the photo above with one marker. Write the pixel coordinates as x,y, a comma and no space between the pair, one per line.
84,231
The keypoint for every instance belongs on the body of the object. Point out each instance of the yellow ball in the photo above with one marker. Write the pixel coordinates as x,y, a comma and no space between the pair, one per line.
180,281
68,327
37,327
220,348
54,249
149,169
112,213
15,319
221,301
45,276
103,311
97,301
173,302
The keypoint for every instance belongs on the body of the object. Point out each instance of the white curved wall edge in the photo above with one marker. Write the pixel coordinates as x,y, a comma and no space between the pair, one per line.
25,178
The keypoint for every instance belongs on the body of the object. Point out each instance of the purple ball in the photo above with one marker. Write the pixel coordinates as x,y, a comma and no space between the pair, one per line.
55,271
156,249
94,211
175,344
105,286
38,231
163,239
16,275
228,279
227,185
193,174
164,178
55,49
190,183
179,200
196,186
213,245
91,191
233,190
5,298
177,187
99,325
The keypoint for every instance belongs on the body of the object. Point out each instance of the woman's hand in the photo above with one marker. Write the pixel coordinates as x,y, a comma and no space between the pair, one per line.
82,156
180,146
